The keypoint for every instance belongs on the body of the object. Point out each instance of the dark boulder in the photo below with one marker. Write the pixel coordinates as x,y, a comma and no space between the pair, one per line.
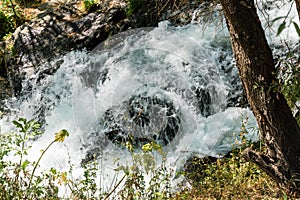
204,101
142,119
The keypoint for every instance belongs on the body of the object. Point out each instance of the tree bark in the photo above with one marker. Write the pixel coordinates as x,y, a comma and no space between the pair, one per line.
278,128
298,7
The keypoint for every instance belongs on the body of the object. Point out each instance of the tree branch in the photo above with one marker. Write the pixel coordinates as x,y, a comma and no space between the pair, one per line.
266,163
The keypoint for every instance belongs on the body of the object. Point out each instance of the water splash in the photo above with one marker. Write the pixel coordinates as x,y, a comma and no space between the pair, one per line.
178,82
171,85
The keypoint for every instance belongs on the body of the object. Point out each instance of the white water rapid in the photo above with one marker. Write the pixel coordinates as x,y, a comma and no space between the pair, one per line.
175,85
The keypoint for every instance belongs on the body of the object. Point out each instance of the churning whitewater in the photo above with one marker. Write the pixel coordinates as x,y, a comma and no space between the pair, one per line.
177,86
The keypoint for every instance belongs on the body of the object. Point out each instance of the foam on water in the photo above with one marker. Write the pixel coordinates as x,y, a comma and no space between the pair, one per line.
166,62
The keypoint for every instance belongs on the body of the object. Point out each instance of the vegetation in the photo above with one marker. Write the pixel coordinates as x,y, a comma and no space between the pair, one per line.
229,178
288,71
133,6
225,178
10,17
19,180
90,5
17,174
289,80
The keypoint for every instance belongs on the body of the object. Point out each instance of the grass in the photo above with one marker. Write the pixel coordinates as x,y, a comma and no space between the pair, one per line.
231,177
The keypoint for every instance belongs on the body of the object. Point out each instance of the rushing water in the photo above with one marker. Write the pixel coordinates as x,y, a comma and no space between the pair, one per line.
177,86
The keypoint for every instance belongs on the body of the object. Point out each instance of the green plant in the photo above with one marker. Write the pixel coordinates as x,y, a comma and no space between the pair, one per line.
17,175
11,17
290,86
132,185
229,177
85,188
6,24
135,186
90,5
145,178
288,74
286,22
133,6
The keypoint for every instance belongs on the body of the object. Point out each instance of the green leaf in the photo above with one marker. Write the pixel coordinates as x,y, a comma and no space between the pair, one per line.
25,164
53,171
21,119
277,18
281,28
124,169
147,147
148,162
36,125
129,146
18,124
297,28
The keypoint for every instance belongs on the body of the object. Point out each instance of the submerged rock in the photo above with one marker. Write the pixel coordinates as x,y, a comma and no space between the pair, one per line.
141,119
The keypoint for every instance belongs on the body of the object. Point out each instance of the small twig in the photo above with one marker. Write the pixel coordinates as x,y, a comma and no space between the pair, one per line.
13,8
37,163
107,196
162,8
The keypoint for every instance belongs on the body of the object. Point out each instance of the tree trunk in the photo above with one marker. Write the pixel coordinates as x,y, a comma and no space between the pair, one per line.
298,7
278,128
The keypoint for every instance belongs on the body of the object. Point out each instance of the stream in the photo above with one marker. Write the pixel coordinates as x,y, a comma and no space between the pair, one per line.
176,86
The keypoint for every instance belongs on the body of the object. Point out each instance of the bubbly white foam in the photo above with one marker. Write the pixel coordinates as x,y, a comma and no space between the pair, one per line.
166,61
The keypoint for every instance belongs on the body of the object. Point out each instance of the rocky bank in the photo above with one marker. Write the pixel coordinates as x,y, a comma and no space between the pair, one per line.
62,26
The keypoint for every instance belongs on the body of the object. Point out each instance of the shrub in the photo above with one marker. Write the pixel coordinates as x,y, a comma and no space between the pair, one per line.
18,179
17,174
10,17
226,178
230,177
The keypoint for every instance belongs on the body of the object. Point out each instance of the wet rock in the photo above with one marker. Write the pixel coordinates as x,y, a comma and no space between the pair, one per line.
5,92
204,101
142,119
51,35
62,27
93,74
178,13
91,155
236,96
